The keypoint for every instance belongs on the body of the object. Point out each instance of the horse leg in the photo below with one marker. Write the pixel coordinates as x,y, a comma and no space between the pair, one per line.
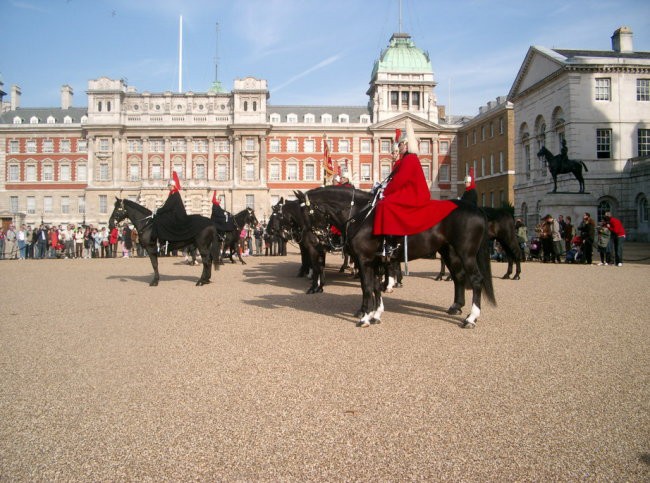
367,274
457,272
153,256
317,272
375,315
509,271
476,280
442,270
207,267
346,262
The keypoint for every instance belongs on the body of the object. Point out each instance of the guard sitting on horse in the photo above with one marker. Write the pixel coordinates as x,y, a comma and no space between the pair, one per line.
470,194
170,221
404,206
221,218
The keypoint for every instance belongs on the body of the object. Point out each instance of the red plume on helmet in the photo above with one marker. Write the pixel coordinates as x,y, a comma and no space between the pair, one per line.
177,183
398,134
470,178
215,200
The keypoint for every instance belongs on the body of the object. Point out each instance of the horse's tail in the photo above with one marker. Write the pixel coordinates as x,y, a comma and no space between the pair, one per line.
584,165
215,249
484,266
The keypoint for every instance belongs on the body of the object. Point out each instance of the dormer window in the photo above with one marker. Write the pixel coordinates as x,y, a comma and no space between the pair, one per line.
344,118
67,120
274,118
51,120
292,118
309,119
326,119
33,120
18,120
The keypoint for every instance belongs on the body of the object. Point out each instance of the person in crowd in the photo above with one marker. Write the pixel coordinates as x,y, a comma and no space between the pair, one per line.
42,241
557,240
21,238
78,242
10,243
89,243
53,241
574,254
258,234
546,237
97,243
602,243
617,231
29,242
135,238
470,194
112,242
2,243
587,232
105,243
569,233
70,242
522,238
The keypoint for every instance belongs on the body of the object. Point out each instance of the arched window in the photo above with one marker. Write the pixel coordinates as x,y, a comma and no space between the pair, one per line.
67,120
84,119
108,106
51,120
245,105
99,106
254,106
538,212
525,150
18,120
344,118
604,205
524,213
33,120
326,119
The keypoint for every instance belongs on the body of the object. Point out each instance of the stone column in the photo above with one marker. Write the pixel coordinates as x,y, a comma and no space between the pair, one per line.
262,161
211,164
167,170
145,158
235,159
189,174
91,160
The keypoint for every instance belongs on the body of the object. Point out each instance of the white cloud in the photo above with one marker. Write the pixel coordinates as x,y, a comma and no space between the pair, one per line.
304,73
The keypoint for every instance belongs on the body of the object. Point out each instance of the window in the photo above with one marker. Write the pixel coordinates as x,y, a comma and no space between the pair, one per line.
492,164
13,204
249,144
103,172
47,204
292,146
156,171
443,173
425,147
222,172
82,146
134,172
309,119
104,144
65,172
14,147
415,99
200,146
326,119
644,142
178,167
30,172
82,172
134,145
18,120
65,204
156,145
384,171
274,146
178,145
394,100
310,172
292,172
405,100
249,172
603,87
366,146
67,120
14,172
502,162
64,145
31,205
527,160
501,125
482,199
364,119
250,201
274,172
491,199
642,209
199,171
48,173
643,89
483,133
444,147
33,120
81,204
385,145
30,146
103,204
292,118
365,172
222,146
474,136
491,129
275,118
245,105
310,145
48,146
426,169
483,172
603,143
344,146
344,118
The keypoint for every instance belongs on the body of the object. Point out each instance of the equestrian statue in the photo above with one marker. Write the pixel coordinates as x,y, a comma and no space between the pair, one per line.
560,164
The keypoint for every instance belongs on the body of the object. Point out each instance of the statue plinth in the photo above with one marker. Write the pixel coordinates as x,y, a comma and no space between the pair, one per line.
571,204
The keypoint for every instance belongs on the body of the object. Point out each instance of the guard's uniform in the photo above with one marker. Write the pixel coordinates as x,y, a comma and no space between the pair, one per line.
171,222
407,207
221,218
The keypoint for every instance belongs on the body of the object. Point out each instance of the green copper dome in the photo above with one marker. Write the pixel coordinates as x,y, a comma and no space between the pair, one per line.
402,55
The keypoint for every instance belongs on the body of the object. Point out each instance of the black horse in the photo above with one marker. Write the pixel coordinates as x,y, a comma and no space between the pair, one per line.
556,165
501,227
230,240
203,229
314,239
460,238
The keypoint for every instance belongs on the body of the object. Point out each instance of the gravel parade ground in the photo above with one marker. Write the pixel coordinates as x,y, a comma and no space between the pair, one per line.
104,378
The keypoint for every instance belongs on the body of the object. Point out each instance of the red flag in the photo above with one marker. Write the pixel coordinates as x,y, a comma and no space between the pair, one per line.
329,167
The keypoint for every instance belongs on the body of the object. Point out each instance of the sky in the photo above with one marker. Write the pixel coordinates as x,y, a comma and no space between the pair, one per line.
311,52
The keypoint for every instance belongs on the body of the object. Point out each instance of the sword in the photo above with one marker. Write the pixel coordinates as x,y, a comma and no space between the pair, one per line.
406,255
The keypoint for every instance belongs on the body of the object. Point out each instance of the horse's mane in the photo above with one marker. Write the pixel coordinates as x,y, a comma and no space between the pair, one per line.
137,207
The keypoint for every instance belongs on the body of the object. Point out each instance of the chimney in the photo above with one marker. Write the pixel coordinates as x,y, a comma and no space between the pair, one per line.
66,97
15,97
622,40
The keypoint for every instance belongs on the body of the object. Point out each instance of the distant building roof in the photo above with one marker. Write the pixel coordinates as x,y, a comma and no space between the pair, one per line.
354,112
402,55
43,113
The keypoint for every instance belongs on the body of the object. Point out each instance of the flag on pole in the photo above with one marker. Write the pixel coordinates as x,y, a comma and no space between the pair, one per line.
329,166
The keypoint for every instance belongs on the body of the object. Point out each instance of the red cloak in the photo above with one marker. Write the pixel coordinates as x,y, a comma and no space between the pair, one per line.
407,207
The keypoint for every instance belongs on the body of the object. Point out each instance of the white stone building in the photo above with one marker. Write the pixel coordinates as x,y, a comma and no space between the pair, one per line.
599,101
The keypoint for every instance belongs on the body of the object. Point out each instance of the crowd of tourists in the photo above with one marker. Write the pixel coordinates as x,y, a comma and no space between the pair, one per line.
561,241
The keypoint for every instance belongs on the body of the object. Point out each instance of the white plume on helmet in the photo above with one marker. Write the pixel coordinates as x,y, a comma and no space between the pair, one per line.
410,138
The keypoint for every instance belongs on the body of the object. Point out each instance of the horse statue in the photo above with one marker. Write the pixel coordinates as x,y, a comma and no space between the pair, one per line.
558,164
230,239
204,234
461,239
